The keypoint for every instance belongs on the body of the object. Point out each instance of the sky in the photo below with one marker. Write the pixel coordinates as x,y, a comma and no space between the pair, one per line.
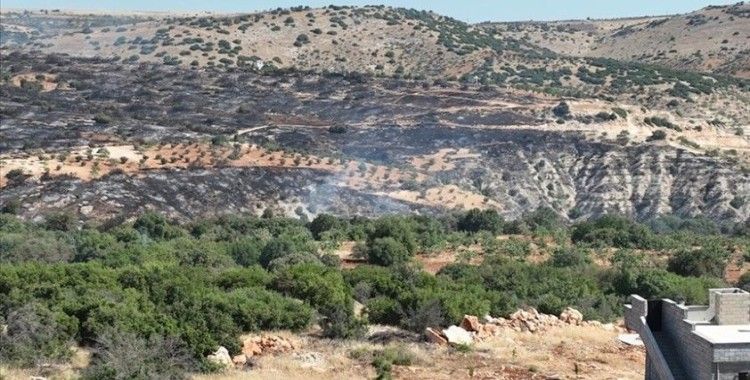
466,10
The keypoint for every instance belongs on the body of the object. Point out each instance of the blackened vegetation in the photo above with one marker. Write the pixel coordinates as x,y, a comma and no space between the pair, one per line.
386,121
150,102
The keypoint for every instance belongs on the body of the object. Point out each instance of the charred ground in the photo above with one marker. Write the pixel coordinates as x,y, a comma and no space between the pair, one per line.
113,139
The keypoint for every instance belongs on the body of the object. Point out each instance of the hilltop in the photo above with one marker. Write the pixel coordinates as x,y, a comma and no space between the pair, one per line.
384,41
713,39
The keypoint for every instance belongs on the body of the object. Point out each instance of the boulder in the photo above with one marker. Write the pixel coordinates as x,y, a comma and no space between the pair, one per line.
239,360
250,348
530,325
457,335
220,357
434,336
524,315
571,316
471,323
490,330
265,344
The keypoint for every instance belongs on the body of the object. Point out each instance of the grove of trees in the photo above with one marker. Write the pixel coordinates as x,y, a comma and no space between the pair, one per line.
174,292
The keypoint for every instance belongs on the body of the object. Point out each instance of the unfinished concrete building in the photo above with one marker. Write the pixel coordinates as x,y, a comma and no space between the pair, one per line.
694,342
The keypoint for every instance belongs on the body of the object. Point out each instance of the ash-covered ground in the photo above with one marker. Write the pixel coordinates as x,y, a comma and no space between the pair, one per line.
391,146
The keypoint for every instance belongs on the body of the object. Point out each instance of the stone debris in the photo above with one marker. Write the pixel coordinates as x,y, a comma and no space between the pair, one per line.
434,336
471,323
571,316
522,320
262,345
221,357
239,360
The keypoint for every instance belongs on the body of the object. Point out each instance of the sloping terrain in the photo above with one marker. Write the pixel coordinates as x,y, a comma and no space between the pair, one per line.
714,39
113,140
179,181
375,39
362,110
384,41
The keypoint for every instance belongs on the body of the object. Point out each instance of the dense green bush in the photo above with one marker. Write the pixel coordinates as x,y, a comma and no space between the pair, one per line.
198,306
323,223
613,231
401,229
570,257
35,335
480,220
387,251
155,285
710,260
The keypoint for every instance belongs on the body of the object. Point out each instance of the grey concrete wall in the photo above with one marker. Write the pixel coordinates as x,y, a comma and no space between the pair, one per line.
730,371
637,309
727,353
695,353
635,319
732,308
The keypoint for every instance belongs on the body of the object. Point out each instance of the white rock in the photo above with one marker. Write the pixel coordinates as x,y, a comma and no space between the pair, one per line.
221,357
571,316
631,339
457,335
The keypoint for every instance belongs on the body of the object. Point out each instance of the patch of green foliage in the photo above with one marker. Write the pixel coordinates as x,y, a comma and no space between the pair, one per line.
158,286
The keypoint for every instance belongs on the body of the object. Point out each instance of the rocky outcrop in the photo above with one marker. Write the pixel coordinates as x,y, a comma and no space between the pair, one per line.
522,320
263,345
571,316
435,336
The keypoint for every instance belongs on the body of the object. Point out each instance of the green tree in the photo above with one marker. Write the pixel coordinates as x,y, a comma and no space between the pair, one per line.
480,220
387,251
710,260
323,223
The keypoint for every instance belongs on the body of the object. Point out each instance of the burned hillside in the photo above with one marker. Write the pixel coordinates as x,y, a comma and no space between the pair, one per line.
110,140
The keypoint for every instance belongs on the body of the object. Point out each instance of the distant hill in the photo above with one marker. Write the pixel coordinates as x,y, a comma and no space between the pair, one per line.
554,58
714,39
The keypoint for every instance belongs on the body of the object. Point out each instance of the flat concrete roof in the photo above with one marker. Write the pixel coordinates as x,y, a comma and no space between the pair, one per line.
724,334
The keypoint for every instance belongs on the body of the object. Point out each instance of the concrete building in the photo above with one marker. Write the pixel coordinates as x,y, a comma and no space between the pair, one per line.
694,342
